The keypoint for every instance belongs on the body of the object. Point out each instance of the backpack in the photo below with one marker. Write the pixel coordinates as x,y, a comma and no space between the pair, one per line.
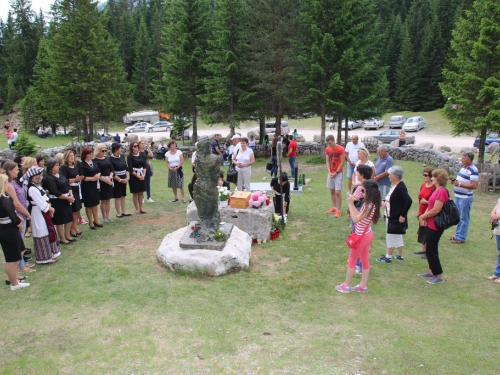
449,215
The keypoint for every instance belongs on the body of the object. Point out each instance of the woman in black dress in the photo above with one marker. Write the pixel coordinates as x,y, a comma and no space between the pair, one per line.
90,187
10,236
146,151
106,179
61,198
71,170
279,192
121,178
137,165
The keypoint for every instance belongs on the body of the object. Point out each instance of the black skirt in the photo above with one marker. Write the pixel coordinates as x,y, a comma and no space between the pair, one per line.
90,193
63,213
77,204
12,243
106,192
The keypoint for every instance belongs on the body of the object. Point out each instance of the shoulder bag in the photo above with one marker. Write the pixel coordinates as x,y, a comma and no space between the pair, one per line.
354,239
448,216
232,174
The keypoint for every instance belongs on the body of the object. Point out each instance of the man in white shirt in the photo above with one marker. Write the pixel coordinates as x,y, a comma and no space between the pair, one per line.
235,146
351,156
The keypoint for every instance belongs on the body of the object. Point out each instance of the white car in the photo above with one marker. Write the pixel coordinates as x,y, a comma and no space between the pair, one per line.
352,124
373,123
271,127
414,124
397,121
160,126
137,127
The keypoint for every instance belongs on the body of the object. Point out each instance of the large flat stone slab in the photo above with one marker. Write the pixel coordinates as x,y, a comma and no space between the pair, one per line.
235,256
256,222
188,242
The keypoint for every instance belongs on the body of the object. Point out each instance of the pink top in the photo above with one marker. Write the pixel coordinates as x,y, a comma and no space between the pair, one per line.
364,225
440,194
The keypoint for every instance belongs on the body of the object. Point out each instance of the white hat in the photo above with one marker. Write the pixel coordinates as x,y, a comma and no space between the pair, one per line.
236,136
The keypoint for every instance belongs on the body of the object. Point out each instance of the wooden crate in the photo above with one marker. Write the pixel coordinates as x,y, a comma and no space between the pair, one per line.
240,199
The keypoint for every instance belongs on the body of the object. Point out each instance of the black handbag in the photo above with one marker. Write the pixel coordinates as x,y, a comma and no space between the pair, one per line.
269,166
448,216
395,227
232,175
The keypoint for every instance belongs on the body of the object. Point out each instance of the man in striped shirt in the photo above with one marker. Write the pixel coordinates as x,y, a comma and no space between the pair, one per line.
464,186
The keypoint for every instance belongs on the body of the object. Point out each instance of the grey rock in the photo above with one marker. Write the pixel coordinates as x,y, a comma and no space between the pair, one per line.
317,138
234,257
147,138
427,145
445,148
492,147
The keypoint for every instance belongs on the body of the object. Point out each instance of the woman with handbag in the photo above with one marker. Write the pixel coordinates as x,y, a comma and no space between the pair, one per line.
106,180
436,202
361,238
174,160
396,205
44,233
243,160
425,193
121,177
137,166
146,151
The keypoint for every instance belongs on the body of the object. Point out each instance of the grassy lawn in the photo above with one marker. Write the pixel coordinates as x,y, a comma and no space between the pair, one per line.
108,307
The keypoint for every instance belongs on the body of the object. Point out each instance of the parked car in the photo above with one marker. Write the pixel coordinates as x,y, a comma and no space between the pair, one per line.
387,136
352,124
490,138
137,127
397,122
160,126
414,124
373,123
271,127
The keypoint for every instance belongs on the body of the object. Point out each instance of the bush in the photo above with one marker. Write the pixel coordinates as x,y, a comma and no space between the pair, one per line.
24,146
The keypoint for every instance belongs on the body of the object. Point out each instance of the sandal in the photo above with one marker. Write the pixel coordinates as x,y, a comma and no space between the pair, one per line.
497,281
456,241
27,235
493,277
419,252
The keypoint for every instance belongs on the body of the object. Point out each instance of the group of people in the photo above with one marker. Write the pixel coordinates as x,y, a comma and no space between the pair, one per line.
379,186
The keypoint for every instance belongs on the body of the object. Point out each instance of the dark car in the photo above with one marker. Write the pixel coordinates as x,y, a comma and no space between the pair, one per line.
488,141
387,136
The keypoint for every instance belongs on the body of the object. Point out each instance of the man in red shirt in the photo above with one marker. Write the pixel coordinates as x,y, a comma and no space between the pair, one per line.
335,159
292,153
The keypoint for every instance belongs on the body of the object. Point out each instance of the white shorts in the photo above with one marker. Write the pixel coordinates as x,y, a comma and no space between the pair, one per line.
336,182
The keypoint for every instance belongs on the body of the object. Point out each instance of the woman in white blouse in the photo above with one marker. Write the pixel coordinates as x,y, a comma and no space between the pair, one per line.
243,160
174,160
363,156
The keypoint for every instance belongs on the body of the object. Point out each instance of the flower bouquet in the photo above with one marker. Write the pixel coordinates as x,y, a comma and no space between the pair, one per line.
224,193
257,199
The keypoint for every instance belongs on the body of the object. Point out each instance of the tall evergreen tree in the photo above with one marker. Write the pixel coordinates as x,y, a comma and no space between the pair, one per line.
405,96
21,48
472,79
184,41
79,75
418,17
390,56
273,27
228,84
143,65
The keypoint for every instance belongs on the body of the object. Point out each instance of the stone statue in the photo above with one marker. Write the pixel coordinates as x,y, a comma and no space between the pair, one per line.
206,195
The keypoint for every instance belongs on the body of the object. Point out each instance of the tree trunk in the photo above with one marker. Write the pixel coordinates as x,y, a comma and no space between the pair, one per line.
323,134
195,120
346,131
339,128
262,127
482,145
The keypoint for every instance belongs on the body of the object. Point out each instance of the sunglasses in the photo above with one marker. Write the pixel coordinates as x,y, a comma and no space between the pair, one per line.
134,146
104,150
363,191
425,175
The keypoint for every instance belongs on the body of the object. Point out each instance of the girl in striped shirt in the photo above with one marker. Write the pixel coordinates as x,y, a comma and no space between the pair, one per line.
368,213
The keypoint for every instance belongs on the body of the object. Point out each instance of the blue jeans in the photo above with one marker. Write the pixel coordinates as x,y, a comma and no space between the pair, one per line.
274,169
148,183
292,165
497,269
22,263
464,206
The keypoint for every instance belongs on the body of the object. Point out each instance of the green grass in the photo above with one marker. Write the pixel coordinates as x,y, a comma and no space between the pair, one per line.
109,307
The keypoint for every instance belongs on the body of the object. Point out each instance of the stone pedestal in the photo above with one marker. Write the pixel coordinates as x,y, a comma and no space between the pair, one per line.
235,256
256,222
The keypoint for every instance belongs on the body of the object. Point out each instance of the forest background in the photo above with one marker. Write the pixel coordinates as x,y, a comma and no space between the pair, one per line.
233,60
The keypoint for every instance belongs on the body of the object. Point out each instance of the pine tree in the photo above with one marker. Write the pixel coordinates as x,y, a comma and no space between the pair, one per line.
418,17
228,84
392,51
405,96
79,75
472,79
273,29
184,41
143,65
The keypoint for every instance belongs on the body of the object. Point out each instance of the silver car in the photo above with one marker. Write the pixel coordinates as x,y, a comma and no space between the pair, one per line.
397,122
373,123
271,127
414,124
160,126
137,127
352,124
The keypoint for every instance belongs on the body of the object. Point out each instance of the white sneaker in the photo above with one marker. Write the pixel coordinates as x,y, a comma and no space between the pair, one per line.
150,200
19,286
